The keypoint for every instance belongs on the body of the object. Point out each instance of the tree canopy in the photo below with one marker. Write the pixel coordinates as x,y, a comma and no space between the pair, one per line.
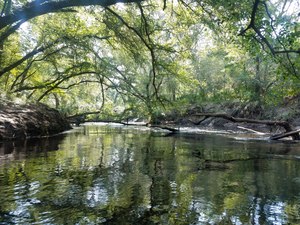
143,57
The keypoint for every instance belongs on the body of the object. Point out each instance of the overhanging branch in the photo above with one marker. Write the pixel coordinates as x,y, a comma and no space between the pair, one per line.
253,17
38,8
27,56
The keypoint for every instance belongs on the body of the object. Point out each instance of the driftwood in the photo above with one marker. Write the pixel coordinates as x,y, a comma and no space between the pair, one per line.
288,128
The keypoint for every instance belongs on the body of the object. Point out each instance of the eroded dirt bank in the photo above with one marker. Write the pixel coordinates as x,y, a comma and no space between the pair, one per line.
289,112
31,120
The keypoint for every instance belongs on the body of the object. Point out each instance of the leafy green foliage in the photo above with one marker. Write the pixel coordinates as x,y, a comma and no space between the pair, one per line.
165,57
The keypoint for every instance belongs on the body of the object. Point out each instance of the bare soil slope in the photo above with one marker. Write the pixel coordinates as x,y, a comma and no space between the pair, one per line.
31,120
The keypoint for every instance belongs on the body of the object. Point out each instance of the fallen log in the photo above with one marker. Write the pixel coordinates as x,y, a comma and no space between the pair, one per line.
83,114
80,118
283,135
251,130
173,130
289,129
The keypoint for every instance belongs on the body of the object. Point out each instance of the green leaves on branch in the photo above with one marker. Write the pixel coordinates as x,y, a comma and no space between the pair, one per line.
149,55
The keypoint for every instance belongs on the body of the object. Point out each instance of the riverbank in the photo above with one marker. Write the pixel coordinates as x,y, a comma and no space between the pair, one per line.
20,121
288,111
37,120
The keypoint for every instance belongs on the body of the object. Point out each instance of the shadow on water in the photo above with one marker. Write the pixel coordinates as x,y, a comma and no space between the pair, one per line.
119,175
19,149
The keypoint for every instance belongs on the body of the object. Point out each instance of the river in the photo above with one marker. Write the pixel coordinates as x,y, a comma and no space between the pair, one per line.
113,174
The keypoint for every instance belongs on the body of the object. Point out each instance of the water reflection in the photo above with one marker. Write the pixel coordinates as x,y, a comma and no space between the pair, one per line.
111,175
19,149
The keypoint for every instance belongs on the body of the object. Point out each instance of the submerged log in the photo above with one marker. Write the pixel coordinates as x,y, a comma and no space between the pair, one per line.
289,129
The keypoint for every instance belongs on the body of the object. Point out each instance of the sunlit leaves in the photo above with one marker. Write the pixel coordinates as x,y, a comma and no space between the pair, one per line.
151,55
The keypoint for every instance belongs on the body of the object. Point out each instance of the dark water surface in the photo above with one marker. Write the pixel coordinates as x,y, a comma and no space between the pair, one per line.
101,174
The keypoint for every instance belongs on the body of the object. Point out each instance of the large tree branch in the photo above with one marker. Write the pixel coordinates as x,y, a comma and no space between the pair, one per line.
40,7
149,45
123,77
10,30
55,86
20,61
253,17
27,56
23,75
151,49
262,39
61,77
285,50
252,25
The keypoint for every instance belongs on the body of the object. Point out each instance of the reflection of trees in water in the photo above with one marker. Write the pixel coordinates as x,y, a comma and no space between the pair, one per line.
141,179
273,194
257,214
249,189
22,148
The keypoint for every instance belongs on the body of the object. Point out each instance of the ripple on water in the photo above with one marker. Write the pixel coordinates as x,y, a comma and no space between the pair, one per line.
150,178
203,208
97,195
276,213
